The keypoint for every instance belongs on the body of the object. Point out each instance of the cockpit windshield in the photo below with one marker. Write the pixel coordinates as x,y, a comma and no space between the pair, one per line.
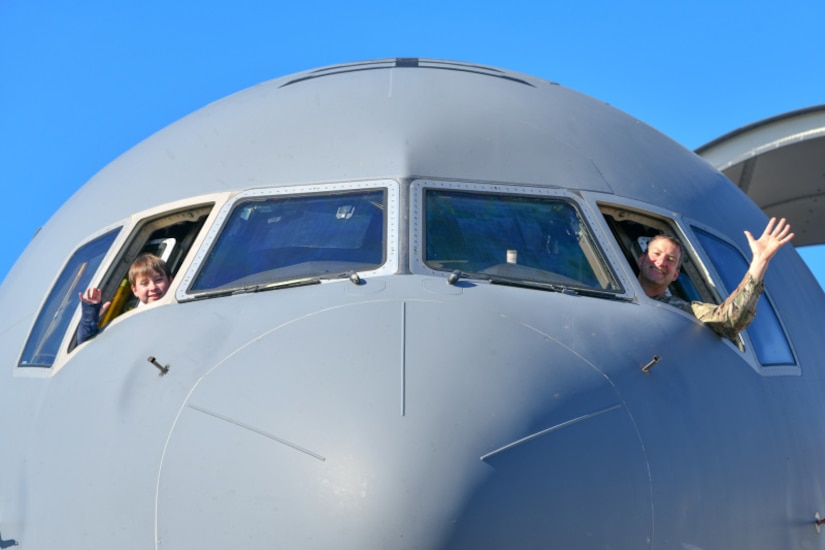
268,241
521,238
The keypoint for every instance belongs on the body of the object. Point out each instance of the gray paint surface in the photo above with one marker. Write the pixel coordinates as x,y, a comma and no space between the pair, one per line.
405,412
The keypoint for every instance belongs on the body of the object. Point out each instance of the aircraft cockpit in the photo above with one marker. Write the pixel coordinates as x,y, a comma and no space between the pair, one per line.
632,229
269,238
169,235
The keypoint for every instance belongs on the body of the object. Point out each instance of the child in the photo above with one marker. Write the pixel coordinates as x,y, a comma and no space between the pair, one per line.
149,278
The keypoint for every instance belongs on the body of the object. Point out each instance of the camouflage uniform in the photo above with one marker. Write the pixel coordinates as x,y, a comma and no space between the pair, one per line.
731,316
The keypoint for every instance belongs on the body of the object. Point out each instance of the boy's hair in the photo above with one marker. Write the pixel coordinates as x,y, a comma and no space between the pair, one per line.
145,264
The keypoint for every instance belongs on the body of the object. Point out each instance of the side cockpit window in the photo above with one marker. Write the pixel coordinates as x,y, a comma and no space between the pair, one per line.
766,334
168,236
633,230
56,314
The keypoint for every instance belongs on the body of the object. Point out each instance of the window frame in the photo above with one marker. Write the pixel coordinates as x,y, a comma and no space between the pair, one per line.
417,207
694,271
703,269
134,232
36,370
763,368
389,266
142,233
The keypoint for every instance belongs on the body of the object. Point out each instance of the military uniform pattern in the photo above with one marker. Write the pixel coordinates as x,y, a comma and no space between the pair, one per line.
731,316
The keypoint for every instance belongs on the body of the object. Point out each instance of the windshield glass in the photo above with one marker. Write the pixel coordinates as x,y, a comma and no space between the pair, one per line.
768,338
275,239
523,237
53,321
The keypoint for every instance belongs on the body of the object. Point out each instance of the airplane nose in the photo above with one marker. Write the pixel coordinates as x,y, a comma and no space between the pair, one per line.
424,427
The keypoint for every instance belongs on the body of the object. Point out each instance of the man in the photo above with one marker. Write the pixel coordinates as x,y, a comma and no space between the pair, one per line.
659,266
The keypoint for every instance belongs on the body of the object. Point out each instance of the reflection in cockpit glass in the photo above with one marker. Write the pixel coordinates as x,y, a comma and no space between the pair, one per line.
520,237
53,320
286,238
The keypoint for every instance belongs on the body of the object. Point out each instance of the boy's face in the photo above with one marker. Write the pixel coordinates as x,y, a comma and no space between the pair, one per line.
151,286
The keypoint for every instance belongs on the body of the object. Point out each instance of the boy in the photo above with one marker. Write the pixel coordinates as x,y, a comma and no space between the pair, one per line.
149,279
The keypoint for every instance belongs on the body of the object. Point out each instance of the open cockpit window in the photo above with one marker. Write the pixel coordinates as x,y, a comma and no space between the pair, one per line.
633,230
293,236
56,314
168,235
513,236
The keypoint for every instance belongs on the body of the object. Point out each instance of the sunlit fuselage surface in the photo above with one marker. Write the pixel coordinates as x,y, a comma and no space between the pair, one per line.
404,313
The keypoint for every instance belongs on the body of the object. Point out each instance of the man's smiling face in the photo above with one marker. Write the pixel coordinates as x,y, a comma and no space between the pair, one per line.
659,265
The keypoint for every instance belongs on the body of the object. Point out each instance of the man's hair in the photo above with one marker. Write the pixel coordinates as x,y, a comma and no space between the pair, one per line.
673,240
146,264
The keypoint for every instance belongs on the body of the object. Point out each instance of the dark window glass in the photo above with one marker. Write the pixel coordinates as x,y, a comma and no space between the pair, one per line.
524,237
285,238
769,340
53,320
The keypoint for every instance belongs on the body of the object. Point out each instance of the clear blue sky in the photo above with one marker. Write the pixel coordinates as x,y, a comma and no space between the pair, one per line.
81,82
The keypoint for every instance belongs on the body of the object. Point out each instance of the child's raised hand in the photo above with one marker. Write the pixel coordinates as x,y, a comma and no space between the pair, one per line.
91,296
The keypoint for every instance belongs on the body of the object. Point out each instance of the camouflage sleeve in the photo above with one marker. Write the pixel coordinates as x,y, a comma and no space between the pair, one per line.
734,314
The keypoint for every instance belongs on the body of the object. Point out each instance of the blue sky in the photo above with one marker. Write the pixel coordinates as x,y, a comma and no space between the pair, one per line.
82,82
